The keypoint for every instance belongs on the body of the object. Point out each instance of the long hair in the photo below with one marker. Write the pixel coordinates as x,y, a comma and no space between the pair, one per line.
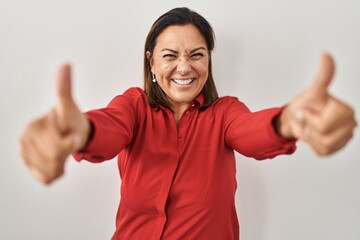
178,16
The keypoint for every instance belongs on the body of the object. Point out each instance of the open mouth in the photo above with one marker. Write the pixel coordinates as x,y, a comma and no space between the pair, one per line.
183,82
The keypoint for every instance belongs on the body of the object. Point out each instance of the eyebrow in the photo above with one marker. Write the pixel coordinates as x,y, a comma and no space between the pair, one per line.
173,51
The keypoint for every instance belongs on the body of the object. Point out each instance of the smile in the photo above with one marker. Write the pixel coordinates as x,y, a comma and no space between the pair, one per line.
183,81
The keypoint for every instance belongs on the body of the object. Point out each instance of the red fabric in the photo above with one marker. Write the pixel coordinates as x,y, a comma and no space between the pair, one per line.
178,182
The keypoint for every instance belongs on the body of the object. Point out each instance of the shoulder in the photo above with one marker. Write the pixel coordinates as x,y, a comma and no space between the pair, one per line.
135,92
228,102
131,96
226,108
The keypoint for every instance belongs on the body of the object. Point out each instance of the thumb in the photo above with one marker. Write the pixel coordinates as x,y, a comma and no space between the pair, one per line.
65,102
63,87
324,76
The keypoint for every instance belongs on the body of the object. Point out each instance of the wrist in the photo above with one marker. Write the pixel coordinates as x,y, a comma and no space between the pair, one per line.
88,132
282,124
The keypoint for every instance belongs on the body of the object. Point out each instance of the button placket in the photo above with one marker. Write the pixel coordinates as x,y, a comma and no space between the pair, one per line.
168,178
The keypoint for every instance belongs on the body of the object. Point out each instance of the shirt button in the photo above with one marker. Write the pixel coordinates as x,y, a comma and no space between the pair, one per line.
187,112
193,105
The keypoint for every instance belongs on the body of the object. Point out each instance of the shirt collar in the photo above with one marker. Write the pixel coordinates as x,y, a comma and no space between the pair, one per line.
198,102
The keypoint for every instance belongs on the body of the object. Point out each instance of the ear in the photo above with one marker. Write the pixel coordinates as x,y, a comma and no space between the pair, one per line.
150,59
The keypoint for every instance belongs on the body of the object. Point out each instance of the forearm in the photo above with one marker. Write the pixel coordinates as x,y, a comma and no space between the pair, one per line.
254,135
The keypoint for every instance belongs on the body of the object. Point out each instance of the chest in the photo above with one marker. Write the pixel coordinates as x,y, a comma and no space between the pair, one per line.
186,159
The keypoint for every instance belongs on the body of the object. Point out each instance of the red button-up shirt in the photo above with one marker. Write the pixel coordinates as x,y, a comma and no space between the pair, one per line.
179,181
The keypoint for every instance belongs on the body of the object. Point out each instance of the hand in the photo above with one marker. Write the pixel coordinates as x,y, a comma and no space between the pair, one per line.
48,141
316,117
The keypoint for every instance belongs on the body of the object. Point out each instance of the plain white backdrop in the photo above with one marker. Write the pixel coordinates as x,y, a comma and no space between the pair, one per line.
266,52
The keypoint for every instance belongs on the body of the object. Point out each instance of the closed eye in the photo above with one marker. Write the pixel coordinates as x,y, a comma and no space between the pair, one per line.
169,56
197,55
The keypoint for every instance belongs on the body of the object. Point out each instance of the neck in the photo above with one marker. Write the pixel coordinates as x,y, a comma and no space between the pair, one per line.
179,111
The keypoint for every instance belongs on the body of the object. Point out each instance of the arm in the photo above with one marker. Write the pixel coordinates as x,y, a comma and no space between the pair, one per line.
253,134
113,128
95,136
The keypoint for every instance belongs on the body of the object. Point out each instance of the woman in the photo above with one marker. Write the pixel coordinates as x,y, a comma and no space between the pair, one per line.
175,139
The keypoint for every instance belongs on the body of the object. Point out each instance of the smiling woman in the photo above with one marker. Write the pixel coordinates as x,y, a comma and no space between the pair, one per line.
175,140
180,62
178,19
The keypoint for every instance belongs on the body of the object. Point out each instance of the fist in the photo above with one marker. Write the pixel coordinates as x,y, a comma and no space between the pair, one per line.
47,142
317,117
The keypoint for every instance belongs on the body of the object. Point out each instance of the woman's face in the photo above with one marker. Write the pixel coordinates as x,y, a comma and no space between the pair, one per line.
180,63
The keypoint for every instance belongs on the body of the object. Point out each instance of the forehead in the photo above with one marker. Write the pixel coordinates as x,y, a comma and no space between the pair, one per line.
178,37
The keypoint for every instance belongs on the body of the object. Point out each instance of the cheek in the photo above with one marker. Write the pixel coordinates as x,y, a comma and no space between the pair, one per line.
204,69
164,69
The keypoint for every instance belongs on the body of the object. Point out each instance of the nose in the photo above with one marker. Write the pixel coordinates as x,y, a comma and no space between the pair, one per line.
183,66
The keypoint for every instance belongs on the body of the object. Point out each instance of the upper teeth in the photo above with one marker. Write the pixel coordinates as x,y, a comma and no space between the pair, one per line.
183,81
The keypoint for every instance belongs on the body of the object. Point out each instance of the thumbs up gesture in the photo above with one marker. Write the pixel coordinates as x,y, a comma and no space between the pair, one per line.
48,141
316,117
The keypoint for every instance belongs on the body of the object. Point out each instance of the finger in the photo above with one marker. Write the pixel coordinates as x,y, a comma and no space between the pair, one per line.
324,76
330,143
55,146
39,175
38,166
66,143
24,151
26,146
65,100
49,167
63,85
334,115
44,135
42,149
36,162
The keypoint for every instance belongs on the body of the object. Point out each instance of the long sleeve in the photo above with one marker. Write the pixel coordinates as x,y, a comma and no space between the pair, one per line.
114,128
252,133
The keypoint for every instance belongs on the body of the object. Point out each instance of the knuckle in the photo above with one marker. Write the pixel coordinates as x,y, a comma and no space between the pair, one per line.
33,126
323,151
23,139
47,180
349,114
325,146
55,166
351,135
40,175
328,143
323,129
23,143
28,133
53,170
25,157
56,172
352,113
348,137
59,173
318,151
330,147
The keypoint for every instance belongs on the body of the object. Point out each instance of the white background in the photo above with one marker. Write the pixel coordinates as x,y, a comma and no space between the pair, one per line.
266,52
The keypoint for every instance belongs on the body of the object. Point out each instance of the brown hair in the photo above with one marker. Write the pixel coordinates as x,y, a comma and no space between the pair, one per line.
178,16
